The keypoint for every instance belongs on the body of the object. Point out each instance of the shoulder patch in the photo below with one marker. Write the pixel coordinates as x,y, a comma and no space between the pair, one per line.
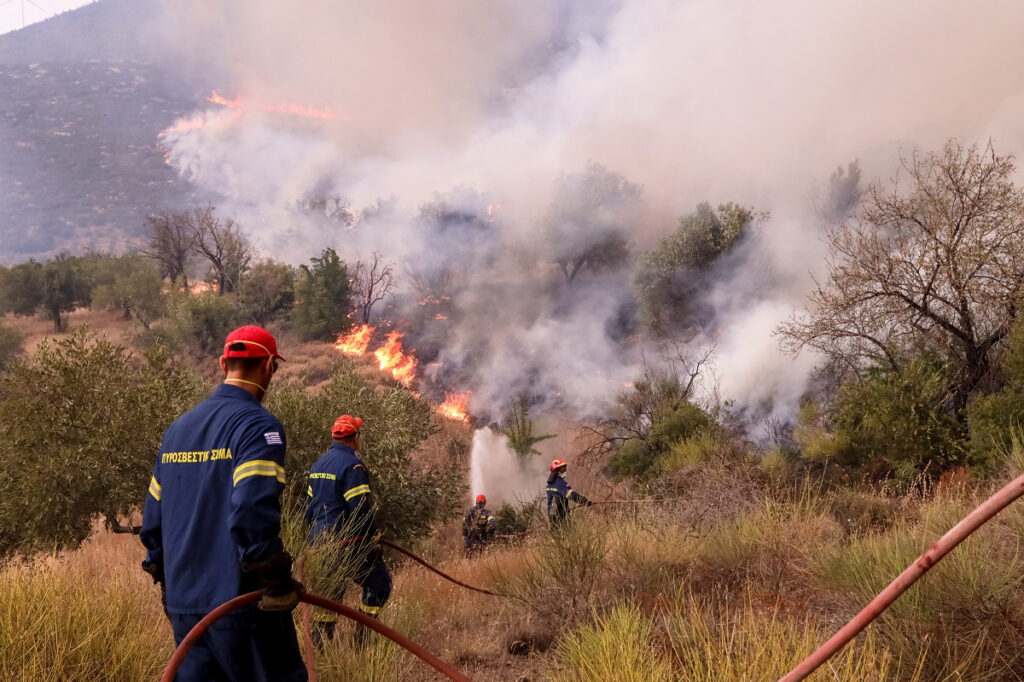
273,438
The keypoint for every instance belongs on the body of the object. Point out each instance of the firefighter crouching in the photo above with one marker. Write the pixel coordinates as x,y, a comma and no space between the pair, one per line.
478,527
340,507
212,519
560,494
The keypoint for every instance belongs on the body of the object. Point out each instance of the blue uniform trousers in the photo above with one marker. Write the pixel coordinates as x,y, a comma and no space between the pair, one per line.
251,646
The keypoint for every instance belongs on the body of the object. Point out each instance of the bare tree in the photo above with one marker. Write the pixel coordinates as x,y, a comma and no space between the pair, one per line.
171,243
662,389
432,283
936,266
221,242
371,283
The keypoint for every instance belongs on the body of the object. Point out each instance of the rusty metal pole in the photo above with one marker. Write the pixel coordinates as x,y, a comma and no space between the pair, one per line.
941,548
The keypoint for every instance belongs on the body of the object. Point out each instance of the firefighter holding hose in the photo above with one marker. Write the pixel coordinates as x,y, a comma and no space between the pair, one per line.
212,519
478,527
340,507
560,494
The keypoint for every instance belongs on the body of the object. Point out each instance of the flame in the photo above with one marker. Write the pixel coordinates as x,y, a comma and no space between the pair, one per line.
356,342
439,316
236,107
217,99
454,406
391,357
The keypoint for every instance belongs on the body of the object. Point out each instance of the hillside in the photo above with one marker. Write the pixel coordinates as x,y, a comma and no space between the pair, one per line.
82,100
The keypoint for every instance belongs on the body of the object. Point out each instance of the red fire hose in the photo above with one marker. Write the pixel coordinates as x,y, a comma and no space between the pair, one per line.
253,597
941,548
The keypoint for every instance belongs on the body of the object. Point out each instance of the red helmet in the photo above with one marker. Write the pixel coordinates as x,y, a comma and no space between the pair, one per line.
346,425
481,499
557,464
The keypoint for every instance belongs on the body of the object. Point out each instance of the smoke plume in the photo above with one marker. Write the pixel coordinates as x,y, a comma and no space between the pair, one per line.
487,108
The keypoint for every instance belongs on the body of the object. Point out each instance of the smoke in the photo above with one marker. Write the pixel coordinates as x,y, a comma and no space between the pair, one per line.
497,472
471,104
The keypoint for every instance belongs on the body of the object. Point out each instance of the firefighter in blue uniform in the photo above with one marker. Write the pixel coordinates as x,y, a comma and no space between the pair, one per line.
339,506
212,520
478,527
560,494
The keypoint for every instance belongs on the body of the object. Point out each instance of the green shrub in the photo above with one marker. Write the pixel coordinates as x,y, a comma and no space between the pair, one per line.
994,418
12,345
82,422
323,295
410,499
900,423
514,518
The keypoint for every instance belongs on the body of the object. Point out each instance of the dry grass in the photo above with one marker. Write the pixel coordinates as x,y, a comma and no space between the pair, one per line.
92,615
105,323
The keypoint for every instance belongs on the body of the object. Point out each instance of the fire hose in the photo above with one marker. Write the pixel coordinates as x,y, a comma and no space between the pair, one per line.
307,598
943,546
253,597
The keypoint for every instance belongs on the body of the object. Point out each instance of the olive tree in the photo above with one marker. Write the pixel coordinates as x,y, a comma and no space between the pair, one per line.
82,423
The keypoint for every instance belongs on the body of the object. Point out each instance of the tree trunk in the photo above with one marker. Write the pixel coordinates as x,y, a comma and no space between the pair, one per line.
58,323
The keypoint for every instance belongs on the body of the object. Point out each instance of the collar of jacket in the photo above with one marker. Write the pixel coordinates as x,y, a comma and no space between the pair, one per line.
229,391
343,448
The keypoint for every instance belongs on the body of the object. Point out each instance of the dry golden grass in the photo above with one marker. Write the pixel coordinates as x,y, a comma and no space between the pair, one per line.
89,615
105,323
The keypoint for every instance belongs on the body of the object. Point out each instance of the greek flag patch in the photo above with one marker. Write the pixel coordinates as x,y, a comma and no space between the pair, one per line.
273,438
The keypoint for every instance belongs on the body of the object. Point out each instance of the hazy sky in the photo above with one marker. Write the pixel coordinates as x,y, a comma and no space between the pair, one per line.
14,12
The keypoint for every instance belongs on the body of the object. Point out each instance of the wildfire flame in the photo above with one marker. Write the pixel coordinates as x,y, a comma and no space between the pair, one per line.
223,101
454,406
356,342
236,107
391,357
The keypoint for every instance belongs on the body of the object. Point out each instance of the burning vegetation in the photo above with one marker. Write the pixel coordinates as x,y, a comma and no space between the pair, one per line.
401,364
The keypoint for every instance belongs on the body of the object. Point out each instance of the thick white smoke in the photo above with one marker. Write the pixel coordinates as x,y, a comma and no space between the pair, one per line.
694,100
499,473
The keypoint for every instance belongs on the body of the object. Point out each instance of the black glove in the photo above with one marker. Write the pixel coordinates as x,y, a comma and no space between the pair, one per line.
156,571
280,591
587,503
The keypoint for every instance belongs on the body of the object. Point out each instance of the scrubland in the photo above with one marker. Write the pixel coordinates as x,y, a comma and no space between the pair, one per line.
747,567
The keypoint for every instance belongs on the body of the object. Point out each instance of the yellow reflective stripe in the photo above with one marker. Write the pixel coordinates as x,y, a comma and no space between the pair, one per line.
552,490
369,610
259,467
309,491
357,491
154,488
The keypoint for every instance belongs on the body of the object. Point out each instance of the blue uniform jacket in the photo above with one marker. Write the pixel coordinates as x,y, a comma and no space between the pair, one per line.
214,499
338,497
559,494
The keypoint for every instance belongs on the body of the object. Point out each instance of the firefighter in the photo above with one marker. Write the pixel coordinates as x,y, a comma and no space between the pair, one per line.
212,519
339,506
478,527
560,494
